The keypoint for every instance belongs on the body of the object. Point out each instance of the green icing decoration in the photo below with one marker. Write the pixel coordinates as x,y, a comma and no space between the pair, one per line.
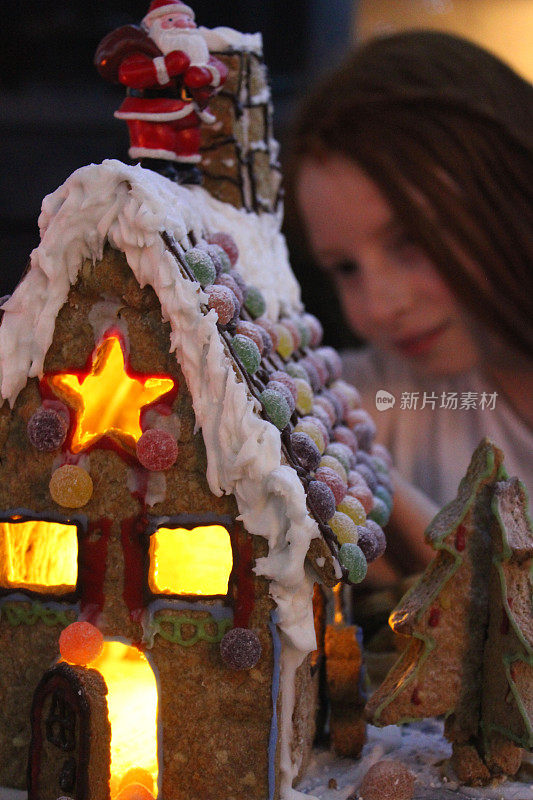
19,614
170,628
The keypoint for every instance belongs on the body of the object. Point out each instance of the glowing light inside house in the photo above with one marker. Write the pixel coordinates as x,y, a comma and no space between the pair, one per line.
196,561
132,709
37,555
108,401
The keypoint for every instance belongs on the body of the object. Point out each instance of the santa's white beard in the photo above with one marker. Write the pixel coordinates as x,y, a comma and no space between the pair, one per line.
186,39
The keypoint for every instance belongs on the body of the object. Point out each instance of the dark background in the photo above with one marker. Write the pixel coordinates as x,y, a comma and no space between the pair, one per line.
56,113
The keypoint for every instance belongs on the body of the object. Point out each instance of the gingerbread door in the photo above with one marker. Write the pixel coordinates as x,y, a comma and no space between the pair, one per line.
70,736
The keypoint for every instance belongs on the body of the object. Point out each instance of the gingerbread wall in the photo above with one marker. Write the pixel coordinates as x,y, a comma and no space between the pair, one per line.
213,720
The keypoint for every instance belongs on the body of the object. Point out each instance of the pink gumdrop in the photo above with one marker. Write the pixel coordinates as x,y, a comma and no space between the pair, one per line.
381,451
344,435
270,328
358,488
252,331
334,481
157,449
294,331
223,301
227,243
320,366
327,406
357,416
225,279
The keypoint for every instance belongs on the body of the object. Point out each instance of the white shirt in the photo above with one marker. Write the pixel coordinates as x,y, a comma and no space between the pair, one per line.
431,444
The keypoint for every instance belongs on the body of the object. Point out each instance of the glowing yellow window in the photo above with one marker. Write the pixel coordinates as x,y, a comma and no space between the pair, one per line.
196,561
38,555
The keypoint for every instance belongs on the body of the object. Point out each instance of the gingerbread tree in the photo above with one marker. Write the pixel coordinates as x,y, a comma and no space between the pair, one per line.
468,648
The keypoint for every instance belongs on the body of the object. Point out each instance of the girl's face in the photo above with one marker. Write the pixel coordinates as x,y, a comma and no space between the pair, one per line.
391,293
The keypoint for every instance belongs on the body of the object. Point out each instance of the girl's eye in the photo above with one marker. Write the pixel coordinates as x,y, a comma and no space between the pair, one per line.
346,268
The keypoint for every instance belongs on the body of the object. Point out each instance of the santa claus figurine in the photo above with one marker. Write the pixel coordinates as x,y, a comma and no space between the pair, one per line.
170,75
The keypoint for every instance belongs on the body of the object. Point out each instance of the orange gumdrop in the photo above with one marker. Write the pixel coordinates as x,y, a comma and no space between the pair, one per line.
137,775
80,643
135,791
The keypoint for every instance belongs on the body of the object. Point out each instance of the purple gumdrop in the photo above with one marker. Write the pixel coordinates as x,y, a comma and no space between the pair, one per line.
240,648
305,450
369,475
372,540
321,500
47,429
365,433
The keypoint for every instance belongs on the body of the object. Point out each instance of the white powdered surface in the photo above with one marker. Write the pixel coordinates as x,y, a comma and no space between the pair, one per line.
423,748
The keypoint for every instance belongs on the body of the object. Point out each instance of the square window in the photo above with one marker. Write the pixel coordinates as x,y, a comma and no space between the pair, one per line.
38,555
196,561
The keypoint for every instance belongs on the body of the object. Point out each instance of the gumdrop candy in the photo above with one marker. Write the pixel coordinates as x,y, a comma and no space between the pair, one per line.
319,365
254,302
240,648
227,243
352,558
368,474
137,775
285,345
342,453
219,258
223,301
315,329
225,279
334,481
276,408
157,449
387,780
294,331
312,374
333,362
247,352
372,540
270,328
321,500
47,429
80,643
71,486
201,265
135,791
286,380
334,464
358,487
305,396
317,412
380,513
305,332
305,450
327,407
313,428
284,391
353,508
344,528
343,434
350,393
296,370
252,331
384,495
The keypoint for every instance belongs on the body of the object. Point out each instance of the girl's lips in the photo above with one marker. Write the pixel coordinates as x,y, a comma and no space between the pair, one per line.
421,343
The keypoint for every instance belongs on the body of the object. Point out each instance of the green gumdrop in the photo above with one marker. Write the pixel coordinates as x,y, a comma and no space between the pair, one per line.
247,352
352,557
384,495
276,407
201,265
380,512
254,302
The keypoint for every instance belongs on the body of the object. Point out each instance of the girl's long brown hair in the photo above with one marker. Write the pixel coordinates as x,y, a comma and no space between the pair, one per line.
446,131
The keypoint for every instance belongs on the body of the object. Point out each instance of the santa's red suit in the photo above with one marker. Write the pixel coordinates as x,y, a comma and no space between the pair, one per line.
170,77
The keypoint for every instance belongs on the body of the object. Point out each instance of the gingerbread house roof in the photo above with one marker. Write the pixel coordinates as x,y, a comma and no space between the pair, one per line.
130,208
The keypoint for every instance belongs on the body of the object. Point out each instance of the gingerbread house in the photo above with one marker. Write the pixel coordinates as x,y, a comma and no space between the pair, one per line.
176,448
